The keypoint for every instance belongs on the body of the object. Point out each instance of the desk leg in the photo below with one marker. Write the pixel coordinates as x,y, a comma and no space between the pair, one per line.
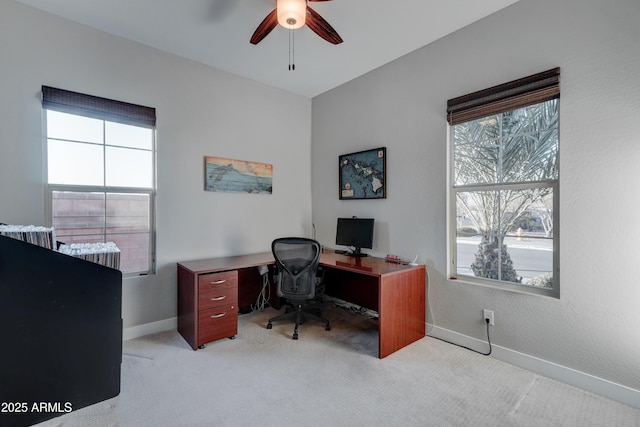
402,310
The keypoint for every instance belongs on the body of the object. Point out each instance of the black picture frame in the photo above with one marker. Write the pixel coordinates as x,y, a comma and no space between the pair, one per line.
363,174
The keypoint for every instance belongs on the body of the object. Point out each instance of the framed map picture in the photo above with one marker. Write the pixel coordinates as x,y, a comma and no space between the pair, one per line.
363,174
237,176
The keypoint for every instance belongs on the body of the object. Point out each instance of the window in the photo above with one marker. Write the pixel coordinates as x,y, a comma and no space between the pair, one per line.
101,174
503,194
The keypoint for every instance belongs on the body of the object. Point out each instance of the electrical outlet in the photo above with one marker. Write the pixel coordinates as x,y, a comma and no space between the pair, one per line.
488,315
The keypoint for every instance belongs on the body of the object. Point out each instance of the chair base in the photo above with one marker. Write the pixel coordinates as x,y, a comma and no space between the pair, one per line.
300,314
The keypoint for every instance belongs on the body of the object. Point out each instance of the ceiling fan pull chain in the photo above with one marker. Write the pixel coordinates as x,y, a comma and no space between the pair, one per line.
292,50
289,49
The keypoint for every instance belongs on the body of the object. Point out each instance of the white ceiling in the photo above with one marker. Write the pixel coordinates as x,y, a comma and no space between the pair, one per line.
217,33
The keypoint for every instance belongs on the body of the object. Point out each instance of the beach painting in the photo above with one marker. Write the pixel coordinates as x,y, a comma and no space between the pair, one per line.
237,176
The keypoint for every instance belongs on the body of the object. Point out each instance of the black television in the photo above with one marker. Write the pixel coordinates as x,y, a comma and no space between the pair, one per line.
356,233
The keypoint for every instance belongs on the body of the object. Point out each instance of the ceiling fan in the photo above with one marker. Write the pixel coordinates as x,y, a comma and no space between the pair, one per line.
293,14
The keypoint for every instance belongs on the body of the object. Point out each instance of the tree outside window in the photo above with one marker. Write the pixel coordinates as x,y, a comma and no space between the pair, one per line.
504,194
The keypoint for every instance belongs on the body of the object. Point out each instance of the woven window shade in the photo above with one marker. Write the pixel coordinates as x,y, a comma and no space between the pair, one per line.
98,108
505,97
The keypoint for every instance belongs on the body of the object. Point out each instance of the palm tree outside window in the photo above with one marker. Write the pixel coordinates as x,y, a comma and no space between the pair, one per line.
504,182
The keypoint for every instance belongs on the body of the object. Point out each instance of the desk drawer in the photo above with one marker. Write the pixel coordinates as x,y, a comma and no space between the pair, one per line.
218,280
217,296
217,323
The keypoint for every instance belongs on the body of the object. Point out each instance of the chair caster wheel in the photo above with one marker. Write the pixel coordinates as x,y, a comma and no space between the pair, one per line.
295,336
232,337
327,328
269,326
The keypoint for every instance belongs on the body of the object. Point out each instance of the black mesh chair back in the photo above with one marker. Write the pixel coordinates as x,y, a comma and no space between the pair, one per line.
297,260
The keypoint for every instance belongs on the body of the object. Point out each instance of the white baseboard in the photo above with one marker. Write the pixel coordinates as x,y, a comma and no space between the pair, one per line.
149,328
602,387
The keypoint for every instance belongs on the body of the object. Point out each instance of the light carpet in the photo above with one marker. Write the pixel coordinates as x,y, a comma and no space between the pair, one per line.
332,378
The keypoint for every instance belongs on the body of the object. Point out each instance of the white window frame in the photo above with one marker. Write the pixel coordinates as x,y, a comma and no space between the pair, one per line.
452,224
104,189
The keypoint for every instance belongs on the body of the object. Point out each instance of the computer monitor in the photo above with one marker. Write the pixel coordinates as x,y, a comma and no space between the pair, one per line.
355,232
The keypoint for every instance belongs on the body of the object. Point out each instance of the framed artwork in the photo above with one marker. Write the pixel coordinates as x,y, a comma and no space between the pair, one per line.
237,176
363,174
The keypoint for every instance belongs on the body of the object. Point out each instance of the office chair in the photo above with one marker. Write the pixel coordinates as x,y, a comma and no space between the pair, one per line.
297,260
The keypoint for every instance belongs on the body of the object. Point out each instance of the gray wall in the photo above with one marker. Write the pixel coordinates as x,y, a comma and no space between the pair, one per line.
595,326
201,112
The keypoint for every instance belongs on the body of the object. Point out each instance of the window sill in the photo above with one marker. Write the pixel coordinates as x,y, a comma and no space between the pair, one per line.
521,289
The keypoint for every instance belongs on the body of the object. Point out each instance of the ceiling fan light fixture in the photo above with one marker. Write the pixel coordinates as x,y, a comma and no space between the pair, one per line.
291,13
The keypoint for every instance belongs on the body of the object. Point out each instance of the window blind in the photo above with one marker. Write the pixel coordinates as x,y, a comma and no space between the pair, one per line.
505,97
98,108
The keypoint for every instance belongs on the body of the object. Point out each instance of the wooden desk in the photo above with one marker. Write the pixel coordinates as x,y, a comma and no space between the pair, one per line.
396,292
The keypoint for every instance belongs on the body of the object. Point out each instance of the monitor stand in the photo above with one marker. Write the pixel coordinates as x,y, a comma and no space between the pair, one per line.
354,253
357,252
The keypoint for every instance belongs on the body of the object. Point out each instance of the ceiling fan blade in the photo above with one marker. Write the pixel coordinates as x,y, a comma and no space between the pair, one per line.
265,27
321,27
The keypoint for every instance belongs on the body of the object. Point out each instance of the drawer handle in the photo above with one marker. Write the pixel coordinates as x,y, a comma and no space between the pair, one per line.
217,316
219,298
219,282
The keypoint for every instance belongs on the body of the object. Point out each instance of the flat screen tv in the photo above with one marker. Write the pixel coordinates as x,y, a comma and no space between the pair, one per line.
356,233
